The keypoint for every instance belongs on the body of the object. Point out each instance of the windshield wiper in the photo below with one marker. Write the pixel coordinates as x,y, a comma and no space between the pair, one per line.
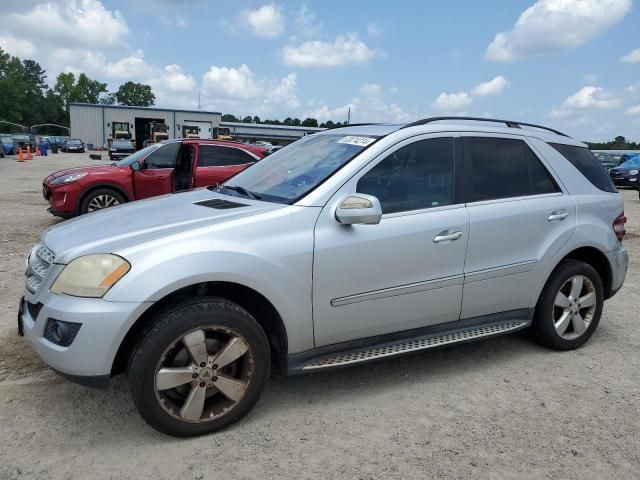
241,190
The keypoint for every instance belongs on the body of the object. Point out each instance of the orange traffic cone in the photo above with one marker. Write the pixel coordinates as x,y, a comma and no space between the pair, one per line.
29,156
37,151
20,157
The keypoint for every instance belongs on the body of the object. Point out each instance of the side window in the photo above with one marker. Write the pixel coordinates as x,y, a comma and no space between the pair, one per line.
416,176
217,156
163,157
504,168
588,164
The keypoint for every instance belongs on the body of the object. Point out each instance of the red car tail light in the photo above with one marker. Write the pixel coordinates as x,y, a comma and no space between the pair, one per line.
618,226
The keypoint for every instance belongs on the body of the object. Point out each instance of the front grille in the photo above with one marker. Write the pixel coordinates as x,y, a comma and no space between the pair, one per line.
39,264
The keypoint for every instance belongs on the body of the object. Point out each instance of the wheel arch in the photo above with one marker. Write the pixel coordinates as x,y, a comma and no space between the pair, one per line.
251,300
98,186
589,254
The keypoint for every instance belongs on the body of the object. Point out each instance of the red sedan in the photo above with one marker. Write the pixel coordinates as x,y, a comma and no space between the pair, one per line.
162,168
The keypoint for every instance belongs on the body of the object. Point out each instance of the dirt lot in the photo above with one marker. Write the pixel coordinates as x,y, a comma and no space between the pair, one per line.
504,408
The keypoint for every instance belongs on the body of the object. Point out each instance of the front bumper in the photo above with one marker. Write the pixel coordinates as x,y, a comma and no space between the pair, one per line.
89,358
63,199
619,261
631,181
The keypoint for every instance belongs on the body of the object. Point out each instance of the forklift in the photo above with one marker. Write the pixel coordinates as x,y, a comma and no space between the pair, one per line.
120,131
190,131
157,133
223,133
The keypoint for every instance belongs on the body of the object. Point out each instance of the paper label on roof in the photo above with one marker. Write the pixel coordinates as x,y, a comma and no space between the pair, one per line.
359,141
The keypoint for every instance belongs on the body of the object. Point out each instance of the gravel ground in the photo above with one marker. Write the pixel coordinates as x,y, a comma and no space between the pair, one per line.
502,408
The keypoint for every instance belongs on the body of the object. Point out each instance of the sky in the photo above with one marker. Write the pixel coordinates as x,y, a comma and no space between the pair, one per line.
570,64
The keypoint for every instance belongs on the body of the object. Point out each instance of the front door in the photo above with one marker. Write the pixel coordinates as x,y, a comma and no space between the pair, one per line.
217,163
519,219
156,175
407,271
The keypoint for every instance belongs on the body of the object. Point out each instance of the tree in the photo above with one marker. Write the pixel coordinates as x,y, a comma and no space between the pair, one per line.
227,117
256,119
135,94
247,119
85,90
310,122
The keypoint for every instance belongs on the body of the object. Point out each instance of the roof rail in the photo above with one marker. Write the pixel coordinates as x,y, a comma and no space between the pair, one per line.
508,123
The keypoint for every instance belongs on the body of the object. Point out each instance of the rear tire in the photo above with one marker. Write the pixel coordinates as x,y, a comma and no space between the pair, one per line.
570,306
197,403
101,199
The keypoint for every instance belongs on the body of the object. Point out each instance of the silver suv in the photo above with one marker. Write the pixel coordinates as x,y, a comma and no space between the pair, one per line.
347,246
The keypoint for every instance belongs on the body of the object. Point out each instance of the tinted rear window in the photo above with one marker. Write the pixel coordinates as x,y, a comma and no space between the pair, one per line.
588,164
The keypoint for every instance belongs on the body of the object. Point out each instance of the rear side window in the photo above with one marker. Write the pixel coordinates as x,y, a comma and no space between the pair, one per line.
588,164
504,168
215,156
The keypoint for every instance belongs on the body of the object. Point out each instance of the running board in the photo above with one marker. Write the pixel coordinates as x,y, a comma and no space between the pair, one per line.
426,342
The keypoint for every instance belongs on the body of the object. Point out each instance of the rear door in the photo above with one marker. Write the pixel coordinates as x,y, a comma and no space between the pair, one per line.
519,219
217,163
156,176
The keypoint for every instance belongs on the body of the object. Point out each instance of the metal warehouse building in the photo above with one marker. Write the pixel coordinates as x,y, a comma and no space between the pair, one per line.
95,124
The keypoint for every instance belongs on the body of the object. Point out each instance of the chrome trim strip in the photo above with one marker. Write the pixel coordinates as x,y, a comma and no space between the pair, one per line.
399,290
501,271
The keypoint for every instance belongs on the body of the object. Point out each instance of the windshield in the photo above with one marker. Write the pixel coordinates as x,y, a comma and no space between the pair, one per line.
74,142
633,162
139,155
295,170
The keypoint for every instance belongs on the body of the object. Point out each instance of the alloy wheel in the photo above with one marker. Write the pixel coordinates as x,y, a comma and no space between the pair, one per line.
102,201
204,374
574,307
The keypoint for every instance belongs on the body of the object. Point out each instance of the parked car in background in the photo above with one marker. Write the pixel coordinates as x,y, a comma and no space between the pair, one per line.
7,143
274,149
158,169
23,140
120,148
75,145
627,174
609,160
350,245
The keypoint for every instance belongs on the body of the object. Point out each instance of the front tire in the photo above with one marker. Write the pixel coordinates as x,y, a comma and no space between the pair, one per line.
201,366
101,199
570,306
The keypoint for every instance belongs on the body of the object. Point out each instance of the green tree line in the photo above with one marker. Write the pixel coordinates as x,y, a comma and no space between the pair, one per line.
295,122
619,143
27,99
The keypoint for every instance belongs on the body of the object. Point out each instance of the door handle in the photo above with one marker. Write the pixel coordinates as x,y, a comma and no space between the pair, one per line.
447,236
558,215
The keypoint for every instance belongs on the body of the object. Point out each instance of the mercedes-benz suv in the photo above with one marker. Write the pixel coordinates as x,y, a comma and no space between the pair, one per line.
347,246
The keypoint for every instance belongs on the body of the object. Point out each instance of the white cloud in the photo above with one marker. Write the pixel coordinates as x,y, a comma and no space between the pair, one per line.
232,82
344,50
284,93
307,23
70,24
591,97
552,25
175,80
632,57
129,67
492,87
452,101
371,90
375,29
635,110
324,113
266,21
18,47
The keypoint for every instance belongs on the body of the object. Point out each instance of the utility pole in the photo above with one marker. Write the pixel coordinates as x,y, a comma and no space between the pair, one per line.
349,116
199,104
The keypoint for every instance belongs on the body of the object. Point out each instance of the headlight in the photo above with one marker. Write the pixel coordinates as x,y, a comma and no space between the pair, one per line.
91,275
72,177
633,172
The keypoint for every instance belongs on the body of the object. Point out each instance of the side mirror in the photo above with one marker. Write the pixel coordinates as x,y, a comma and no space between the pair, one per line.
136,166
359,208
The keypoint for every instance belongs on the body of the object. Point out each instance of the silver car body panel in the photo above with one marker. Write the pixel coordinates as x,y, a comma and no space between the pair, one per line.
330,282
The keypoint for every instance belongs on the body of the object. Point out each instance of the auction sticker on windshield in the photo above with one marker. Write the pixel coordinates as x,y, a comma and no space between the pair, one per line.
359,141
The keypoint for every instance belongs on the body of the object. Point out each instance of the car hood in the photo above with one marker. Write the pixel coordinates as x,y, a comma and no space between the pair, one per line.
92,169
126,225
